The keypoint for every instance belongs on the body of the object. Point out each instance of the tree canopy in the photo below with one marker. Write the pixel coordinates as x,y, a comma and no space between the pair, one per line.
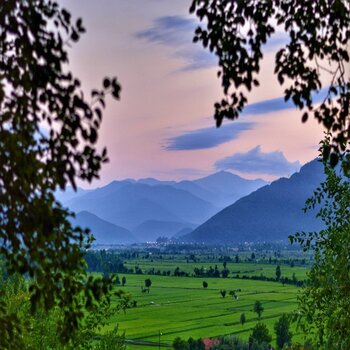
260,334
258,308
283,333
317,42
48,134
325,303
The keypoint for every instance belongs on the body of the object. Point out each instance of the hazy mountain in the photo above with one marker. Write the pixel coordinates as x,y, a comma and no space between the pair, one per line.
198,191
183,232
69,194
220,189
104,231
152,229
153,207
130,204
152,182
273,212
227,187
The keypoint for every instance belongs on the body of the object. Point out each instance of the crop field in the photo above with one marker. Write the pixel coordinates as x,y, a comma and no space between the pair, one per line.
180,306
240,269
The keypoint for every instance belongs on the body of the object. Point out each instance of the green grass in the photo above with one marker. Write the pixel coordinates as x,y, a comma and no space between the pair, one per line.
180,306
242,268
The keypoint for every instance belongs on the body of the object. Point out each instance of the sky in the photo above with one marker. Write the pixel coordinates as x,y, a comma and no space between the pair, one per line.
163,126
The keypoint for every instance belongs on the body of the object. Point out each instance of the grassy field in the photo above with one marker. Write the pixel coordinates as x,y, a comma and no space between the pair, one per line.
242,268
180,306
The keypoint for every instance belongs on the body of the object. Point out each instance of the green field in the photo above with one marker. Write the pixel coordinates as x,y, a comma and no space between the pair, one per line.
242,268
180,306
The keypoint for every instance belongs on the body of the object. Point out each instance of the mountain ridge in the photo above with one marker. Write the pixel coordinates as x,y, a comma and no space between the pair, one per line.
270,213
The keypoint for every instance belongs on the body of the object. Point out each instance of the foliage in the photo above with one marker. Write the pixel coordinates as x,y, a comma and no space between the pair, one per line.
283,334
104,261
205,284
223,292
195,344
36,331
318,36
278,273
229,342
123,281
48,133
111,341
261,334
242,319
325,302
180,344
258,308
148,283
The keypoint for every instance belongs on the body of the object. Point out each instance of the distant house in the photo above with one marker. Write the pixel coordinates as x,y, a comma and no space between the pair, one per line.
209,343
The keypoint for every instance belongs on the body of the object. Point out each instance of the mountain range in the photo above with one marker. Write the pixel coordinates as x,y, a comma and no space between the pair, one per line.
271,213
149,208
104,232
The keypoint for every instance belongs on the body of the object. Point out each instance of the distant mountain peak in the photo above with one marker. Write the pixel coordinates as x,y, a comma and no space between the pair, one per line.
272,212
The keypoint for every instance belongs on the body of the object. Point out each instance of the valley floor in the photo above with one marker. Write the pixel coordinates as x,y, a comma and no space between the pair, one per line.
181,307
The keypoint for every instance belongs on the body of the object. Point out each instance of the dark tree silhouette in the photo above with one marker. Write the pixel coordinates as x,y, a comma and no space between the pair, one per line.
318,37
260,334
148,283
278,273
258,308
205,284
283,334
48,133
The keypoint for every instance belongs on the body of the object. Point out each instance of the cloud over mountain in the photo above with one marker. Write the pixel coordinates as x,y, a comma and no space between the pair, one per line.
257,162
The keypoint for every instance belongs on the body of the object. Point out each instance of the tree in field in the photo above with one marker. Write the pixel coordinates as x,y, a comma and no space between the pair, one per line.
258,308
195,344
223,293
180,344
48,134
117,280
317,44
123,281
242,319
278,273
225,273
283,333
148,284
260,334
324,303
205,284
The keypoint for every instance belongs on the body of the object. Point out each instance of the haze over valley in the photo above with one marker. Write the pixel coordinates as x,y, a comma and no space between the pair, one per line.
217,209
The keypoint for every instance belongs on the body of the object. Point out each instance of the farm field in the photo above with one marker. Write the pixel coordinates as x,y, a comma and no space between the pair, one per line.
180,306
240,269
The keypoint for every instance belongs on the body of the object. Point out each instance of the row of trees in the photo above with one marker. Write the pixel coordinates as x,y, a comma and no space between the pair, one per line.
110,262
259,338
211,272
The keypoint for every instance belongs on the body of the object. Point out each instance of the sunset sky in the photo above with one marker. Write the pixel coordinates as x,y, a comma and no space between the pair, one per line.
163,125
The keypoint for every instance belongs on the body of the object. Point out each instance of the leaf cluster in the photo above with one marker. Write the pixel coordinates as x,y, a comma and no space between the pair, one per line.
48,135
318,36
325,303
